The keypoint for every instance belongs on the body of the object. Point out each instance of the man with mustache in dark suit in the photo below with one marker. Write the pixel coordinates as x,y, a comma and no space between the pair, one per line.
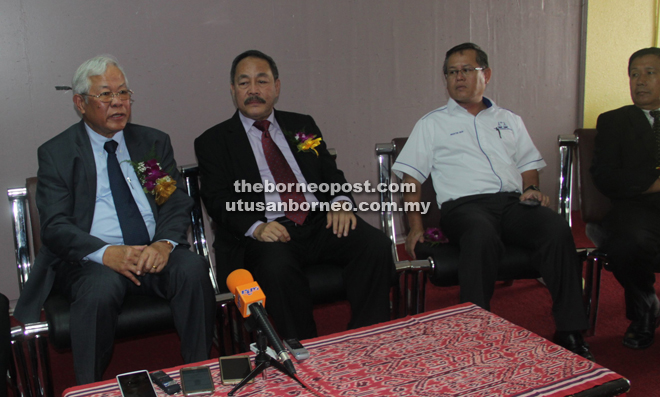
260,145
626,168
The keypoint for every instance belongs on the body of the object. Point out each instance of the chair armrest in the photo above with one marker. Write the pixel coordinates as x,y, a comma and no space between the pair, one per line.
425,265
568,144
190,174
385,153
17,198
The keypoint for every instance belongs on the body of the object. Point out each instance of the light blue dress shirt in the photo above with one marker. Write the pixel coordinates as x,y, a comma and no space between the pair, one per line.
105,224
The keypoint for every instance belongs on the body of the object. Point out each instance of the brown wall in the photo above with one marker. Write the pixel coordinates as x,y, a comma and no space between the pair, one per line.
366,70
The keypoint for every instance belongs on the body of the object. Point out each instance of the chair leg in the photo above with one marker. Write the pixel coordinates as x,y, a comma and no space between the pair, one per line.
34,367
41,373
21,382
596,301
591,292
422,292
414,292
395,299
46,375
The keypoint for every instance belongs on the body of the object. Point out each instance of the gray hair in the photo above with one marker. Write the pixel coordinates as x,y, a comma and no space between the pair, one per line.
93,67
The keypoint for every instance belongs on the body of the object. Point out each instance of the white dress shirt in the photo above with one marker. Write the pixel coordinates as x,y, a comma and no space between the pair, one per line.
468,155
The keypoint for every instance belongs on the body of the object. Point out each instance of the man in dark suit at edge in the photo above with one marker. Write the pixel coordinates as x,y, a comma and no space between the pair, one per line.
626,168
104,236
258,145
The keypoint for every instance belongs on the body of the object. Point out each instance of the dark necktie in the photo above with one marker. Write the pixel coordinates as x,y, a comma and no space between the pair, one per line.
130,219
656,132
282,172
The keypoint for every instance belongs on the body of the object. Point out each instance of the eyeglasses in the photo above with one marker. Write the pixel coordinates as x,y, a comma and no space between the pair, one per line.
452,74
107,96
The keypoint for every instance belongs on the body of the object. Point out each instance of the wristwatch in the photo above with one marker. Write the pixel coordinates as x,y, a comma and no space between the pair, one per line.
532,187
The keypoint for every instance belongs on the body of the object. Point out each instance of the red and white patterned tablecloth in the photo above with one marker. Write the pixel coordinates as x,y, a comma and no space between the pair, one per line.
461,351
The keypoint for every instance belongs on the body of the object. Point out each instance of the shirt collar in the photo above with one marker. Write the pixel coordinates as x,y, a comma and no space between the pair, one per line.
249,123
454,107
648,115
99,140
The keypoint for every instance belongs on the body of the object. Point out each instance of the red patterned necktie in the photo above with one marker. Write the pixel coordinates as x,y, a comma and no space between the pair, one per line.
282,172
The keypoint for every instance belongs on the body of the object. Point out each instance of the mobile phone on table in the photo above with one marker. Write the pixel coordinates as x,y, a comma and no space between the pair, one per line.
296,349
196,381
165,382
136,384
233,369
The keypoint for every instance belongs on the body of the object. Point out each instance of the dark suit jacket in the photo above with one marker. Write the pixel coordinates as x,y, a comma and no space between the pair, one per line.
624,155
66,195
225,156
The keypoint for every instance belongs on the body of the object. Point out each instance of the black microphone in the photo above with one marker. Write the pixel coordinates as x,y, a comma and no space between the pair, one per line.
249,298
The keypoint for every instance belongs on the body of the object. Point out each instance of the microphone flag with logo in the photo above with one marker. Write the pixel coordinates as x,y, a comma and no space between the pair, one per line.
246,291
250,300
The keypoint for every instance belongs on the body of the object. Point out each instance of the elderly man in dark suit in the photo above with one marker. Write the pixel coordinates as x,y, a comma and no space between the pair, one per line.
114,221
626,168
258,146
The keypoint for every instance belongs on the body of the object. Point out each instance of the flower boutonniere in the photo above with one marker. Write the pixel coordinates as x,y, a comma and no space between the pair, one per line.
434,236
153,179
304,142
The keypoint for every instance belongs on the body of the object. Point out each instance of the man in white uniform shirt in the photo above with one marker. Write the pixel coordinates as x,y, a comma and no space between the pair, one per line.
485,173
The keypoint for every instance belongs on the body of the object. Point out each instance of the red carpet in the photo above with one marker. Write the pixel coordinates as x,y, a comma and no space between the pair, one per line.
526,303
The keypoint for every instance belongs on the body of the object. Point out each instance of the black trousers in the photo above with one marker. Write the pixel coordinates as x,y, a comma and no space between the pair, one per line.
365,256
481,225
96,293
632,243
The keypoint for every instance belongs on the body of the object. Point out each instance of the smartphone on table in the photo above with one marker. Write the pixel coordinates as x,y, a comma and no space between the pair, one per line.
196,381
136,384
233,369
296,349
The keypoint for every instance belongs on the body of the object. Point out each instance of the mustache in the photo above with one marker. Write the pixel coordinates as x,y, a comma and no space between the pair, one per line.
254,98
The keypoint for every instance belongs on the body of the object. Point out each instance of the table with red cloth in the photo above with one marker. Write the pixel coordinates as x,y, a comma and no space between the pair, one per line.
458,351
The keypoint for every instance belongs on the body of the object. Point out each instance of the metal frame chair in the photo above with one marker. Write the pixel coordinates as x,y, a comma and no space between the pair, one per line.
593,207
327,291
444,271
33,376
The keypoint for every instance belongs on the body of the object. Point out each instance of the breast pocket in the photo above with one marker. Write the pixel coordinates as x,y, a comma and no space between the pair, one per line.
508,139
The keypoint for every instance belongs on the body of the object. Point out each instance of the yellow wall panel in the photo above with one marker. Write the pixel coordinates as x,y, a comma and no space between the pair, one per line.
615,29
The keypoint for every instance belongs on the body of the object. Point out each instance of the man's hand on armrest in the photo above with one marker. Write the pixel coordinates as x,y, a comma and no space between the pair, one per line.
531,178
535,195
414,236
271,232
123,259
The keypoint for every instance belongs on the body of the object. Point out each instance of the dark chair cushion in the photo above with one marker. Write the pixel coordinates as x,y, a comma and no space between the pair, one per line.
139,315
516,263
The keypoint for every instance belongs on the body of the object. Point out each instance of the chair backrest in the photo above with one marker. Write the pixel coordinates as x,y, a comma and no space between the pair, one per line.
35,226
593,204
